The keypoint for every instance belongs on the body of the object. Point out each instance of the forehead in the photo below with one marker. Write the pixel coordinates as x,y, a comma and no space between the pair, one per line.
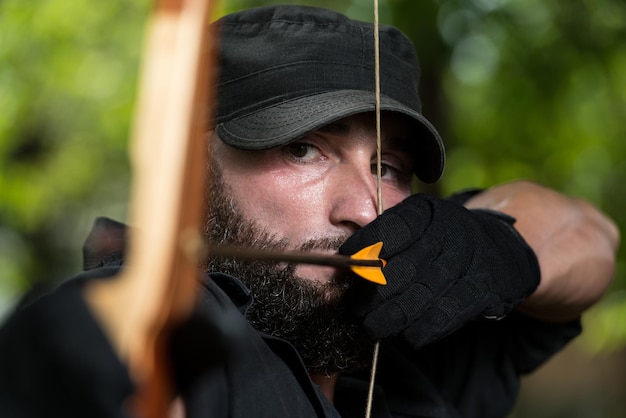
397,130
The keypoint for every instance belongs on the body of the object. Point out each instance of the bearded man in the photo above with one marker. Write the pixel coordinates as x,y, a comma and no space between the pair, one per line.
481,288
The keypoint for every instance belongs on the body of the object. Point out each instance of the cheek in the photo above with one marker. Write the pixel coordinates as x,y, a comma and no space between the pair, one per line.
392,197
297,208
286,205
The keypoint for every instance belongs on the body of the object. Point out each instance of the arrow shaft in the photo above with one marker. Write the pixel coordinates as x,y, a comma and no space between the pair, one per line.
296,257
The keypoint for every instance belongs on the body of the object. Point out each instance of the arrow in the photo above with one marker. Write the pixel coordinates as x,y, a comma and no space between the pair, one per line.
364,263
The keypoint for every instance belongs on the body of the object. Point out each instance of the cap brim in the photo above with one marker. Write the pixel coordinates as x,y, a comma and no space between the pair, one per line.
287,121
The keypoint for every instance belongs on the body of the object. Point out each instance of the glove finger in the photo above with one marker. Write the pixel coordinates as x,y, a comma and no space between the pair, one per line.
398,227
363,297
434,325
461,304
401,273
397,313
395,234
403,306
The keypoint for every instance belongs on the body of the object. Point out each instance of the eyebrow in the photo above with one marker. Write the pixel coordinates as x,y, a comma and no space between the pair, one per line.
338,128
404,144
397,142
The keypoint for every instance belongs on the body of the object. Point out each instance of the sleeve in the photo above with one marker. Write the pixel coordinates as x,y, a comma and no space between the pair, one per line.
476,371
55,361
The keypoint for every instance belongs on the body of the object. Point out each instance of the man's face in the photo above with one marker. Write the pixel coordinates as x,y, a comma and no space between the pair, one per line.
311,195
322,186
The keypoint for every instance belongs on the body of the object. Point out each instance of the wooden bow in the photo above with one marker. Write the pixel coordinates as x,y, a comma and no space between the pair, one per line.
169,156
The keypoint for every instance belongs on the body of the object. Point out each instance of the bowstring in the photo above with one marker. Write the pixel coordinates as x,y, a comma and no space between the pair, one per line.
379,190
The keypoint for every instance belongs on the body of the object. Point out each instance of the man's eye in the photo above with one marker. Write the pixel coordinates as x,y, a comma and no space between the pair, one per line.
385,170
302,150
391,173
298,150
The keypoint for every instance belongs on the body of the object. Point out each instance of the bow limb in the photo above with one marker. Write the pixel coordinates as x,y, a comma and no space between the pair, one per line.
157,287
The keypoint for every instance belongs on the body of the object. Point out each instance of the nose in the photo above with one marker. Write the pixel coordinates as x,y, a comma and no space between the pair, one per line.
354,200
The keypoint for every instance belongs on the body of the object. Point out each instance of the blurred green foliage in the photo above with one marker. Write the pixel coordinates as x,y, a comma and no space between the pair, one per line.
518,88
67,84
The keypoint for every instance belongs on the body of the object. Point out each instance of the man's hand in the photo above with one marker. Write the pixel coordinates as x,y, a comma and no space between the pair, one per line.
575,243
446,265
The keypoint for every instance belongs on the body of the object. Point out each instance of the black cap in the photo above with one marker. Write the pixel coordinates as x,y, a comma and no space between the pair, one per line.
289,70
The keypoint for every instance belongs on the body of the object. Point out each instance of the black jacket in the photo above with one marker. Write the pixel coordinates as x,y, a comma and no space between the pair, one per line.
56,362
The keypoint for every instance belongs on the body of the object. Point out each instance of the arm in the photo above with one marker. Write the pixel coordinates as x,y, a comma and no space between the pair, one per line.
574,242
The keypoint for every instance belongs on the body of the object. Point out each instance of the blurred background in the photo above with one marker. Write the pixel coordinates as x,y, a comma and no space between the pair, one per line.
518,89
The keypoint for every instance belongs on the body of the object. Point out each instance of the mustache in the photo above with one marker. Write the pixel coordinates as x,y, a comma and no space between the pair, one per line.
323,244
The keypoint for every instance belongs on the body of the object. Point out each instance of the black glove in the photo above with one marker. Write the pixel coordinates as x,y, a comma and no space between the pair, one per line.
446,265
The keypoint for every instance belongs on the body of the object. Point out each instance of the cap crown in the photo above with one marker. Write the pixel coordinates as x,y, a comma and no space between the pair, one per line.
273,54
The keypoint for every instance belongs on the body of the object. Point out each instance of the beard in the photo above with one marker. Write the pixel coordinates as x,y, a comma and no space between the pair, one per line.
308,314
